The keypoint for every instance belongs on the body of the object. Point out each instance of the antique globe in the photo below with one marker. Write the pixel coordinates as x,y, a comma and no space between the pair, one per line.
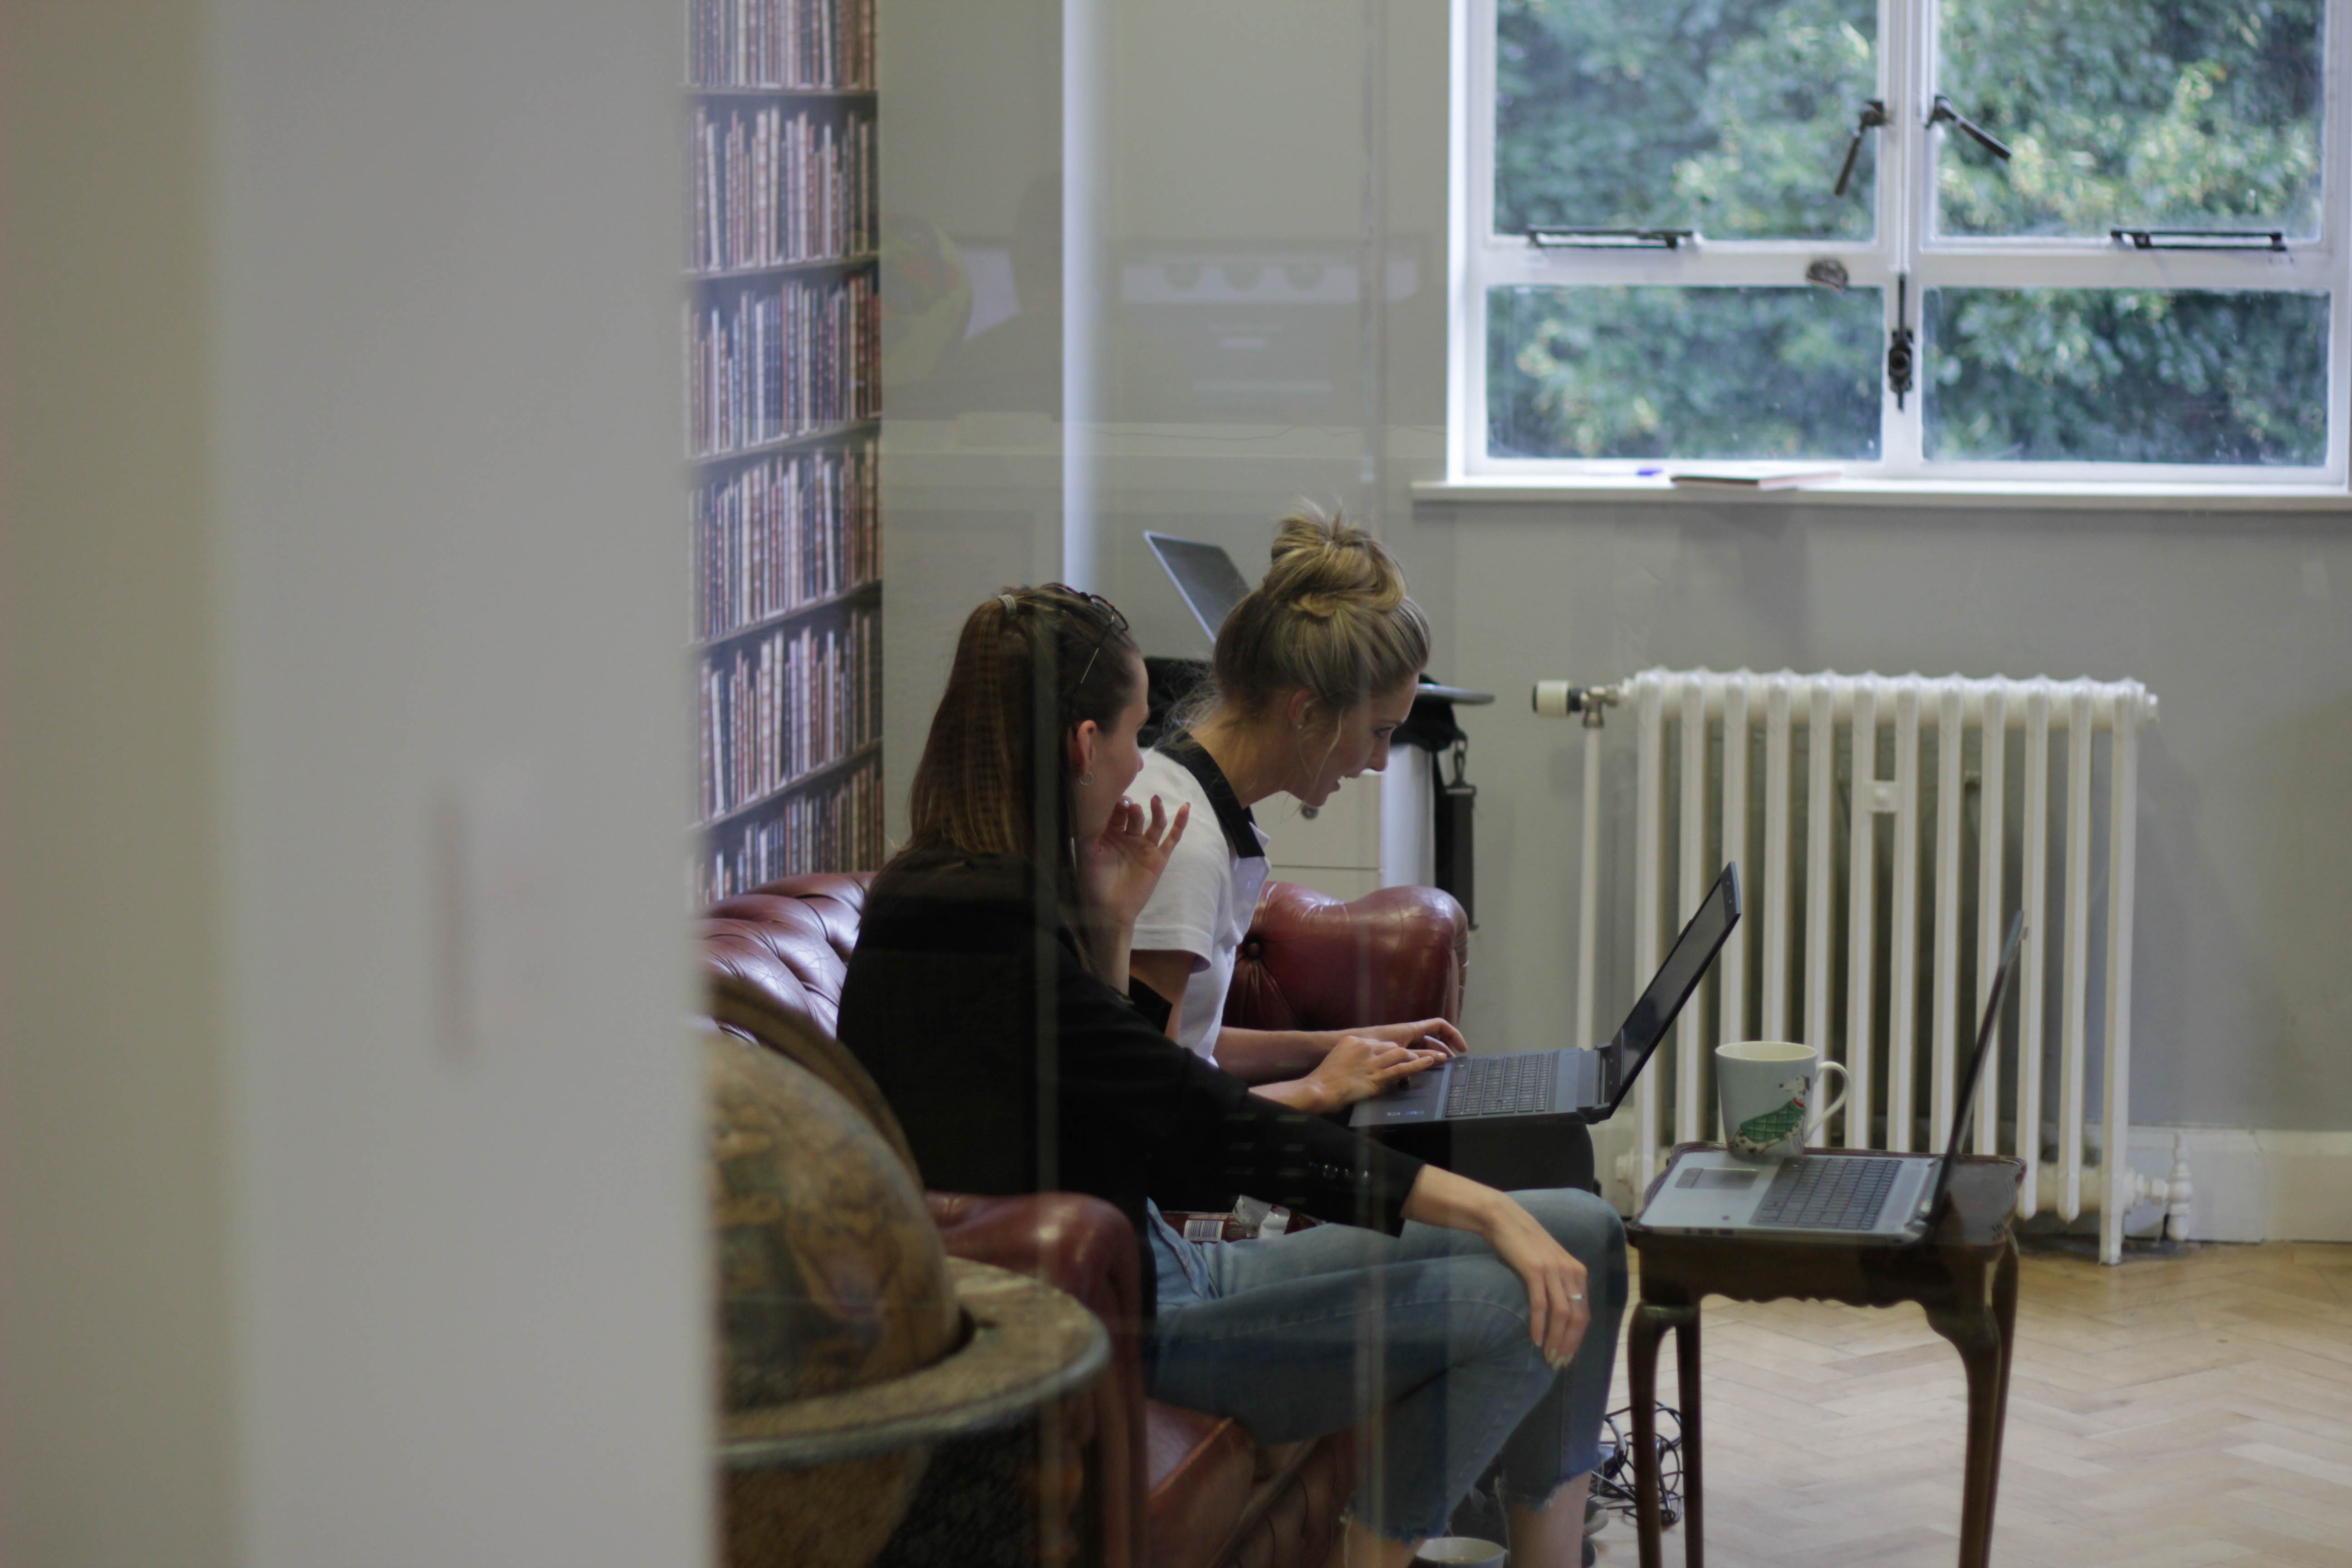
831,1280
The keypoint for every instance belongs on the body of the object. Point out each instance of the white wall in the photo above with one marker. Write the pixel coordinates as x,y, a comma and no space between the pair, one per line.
351,1199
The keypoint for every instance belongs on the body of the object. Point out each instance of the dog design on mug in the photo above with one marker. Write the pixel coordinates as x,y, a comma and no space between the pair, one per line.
1758,1133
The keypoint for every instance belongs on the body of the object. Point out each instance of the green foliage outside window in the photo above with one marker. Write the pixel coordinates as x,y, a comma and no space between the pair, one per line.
2115,375
1731,116
1675,373
2187,114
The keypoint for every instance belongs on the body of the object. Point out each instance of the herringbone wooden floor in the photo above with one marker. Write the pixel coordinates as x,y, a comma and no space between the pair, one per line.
2164,1413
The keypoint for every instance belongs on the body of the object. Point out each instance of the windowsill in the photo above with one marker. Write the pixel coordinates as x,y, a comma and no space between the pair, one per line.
1981,494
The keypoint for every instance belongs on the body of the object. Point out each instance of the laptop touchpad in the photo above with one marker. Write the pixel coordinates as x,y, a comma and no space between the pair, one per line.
1703,1177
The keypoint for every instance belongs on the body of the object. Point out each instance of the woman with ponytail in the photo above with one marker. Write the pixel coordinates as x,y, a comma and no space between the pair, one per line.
988,995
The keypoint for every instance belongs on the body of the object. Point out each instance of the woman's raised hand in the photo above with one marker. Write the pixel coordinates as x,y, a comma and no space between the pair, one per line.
1118,867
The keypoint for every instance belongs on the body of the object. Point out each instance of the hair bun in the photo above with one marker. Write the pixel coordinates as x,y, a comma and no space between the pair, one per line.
1324,565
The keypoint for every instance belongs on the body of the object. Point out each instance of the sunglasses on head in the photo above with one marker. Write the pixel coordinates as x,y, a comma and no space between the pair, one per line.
1113,622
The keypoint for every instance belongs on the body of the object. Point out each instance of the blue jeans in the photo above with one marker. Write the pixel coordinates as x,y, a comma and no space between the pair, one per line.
1306,1335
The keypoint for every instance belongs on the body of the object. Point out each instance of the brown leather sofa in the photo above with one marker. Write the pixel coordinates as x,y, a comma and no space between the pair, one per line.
1168,1487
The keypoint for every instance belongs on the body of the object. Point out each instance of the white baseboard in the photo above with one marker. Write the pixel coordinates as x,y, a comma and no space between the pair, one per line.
2251,1184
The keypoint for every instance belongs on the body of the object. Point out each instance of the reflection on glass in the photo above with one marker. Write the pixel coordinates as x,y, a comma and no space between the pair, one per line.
1683,373
1731,119
2197,114
2121,376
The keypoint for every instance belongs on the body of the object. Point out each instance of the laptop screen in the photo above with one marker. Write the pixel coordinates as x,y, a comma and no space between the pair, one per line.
1965,1112
1212,584
1676,978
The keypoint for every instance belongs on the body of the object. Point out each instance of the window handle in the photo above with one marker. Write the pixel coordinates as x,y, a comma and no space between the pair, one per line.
1873,115
1610,239
2200,239
1901,346
1944,111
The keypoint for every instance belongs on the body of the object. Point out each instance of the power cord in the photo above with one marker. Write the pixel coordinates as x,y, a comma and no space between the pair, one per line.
1613,1478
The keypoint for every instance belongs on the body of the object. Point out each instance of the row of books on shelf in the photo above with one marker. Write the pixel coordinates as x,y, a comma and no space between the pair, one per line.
772,187
781,43
778,360
785,531
777,708
836,828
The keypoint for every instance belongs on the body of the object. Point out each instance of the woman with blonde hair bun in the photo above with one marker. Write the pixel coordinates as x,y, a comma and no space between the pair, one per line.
1314,672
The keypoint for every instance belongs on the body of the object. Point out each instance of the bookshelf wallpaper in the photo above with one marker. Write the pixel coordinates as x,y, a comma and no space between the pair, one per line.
782,341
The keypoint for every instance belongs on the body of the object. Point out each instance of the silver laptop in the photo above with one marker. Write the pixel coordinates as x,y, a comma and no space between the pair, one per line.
1587,1086
1884,1199
1206,577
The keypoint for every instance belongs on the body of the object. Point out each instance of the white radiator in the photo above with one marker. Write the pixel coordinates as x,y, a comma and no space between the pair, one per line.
1855,935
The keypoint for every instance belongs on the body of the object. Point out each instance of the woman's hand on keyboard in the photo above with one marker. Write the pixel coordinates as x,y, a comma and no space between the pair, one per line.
1421,1035
1359,1067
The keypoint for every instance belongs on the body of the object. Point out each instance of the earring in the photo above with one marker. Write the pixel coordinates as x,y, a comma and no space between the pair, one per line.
1086,778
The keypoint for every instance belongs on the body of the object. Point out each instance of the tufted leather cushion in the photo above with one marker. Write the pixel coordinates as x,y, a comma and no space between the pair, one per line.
1312,961
1203,1470
792,938
1291,1523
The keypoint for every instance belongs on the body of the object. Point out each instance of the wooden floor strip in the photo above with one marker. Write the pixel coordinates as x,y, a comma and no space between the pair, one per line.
2188,1411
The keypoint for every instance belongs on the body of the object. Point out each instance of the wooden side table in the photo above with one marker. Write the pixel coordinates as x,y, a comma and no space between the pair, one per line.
1964,1274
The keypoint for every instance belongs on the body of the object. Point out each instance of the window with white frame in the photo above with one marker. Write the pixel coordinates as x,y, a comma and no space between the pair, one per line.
2076,240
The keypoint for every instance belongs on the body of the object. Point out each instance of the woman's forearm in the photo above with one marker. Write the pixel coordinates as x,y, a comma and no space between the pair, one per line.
1442,1198
1271,1056
1111,945
1301,1094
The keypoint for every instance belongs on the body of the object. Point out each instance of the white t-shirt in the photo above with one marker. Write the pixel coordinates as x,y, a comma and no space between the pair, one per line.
1205,898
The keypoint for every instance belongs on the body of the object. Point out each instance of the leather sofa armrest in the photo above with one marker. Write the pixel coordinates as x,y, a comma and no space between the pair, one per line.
1075,1243
1314,962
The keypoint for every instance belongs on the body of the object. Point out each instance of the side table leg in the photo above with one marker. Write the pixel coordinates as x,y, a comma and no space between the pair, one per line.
1641,1373
1980,1332
1652,1320
1687,1390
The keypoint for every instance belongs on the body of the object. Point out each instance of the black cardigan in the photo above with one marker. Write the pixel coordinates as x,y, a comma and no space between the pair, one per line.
944,1006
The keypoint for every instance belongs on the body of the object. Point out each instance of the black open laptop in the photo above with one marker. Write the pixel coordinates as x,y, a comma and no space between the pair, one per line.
1587,1086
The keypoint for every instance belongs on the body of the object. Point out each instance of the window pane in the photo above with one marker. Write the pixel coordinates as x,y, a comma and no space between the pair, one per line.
1730,117
2116,376
1683,373
2199,114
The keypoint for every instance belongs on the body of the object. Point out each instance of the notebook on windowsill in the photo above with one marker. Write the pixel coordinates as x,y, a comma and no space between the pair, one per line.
1787,478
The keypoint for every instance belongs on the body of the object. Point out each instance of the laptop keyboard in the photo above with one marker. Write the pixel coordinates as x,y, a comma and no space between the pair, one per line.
1837,1193
1501,1086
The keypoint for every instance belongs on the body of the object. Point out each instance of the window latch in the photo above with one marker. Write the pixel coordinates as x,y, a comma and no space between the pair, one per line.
1944,113
1899,350
2200,239
1873,115
1610,239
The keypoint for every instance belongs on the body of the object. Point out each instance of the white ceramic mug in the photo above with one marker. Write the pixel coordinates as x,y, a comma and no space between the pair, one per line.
1460,1551
1765,1090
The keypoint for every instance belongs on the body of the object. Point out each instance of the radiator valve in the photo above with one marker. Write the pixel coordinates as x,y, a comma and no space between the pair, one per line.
2174,1190
1557,699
